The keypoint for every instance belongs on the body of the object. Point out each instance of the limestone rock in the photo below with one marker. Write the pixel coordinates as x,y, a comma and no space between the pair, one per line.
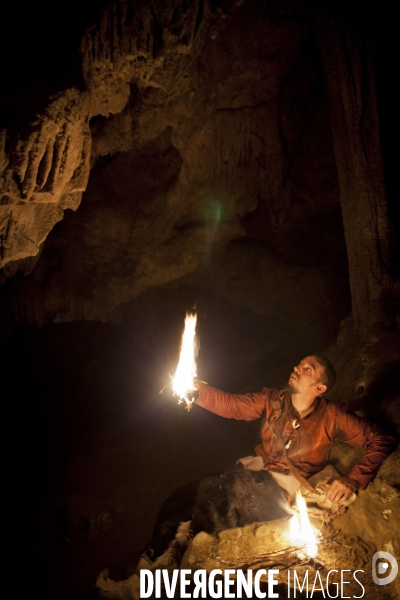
135,41
43,173
186,170
49,165
374,515
235,547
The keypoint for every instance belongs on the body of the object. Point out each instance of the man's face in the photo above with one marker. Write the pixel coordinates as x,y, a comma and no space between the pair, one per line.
306,377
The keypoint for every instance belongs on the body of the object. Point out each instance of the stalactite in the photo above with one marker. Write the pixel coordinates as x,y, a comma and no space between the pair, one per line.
131,41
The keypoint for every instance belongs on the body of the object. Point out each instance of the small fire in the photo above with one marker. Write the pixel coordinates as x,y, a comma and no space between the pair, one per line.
302,533
183,380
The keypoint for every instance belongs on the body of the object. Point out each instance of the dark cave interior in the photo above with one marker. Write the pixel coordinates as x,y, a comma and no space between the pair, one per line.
215,180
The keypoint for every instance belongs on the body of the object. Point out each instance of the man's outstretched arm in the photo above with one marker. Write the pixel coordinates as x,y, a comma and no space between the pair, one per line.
245,407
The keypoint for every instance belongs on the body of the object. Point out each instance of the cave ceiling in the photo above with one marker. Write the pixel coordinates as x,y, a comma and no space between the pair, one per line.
195,151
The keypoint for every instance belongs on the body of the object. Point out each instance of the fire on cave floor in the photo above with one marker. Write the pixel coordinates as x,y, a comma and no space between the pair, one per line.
346,559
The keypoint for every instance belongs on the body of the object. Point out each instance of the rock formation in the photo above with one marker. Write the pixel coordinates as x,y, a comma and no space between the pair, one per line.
43,172
45,168
199,144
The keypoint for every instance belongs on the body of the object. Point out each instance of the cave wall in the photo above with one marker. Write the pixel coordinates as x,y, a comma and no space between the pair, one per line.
45,146
212,168
239,89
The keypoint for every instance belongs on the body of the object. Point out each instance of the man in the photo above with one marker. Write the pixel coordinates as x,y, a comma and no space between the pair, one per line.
300,426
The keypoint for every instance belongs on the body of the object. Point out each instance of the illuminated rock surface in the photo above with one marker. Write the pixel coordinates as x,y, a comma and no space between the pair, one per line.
265,546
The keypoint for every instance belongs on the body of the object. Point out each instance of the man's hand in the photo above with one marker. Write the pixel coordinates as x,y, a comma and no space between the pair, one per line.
341,489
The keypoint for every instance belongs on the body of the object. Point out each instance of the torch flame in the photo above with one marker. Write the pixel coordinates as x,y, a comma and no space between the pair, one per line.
301,530
183,381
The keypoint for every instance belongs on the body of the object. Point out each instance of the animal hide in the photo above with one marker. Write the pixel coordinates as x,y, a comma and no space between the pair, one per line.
237,497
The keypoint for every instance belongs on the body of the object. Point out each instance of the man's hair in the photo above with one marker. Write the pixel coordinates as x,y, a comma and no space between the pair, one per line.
328,376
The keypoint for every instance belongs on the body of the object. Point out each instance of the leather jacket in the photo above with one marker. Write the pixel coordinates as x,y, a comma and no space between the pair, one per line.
308,440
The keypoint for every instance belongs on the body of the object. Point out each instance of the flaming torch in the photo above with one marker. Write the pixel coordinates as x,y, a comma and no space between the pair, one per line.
183,381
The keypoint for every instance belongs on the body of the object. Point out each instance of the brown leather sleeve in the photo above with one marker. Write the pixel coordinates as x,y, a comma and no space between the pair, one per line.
244,407
356,431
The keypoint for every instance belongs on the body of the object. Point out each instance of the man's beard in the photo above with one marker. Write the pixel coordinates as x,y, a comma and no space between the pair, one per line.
291,387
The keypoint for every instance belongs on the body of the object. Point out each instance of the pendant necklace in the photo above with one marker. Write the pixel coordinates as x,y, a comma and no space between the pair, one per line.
296,423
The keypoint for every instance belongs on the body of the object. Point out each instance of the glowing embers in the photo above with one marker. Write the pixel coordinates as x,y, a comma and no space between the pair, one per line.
183,381
302,533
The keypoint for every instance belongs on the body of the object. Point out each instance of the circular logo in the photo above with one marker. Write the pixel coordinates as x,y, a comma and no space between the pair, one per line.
383,567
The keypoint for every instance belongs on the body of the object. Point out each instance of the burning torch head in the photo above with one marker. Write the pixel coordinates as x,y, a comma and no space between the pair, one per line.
183,383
